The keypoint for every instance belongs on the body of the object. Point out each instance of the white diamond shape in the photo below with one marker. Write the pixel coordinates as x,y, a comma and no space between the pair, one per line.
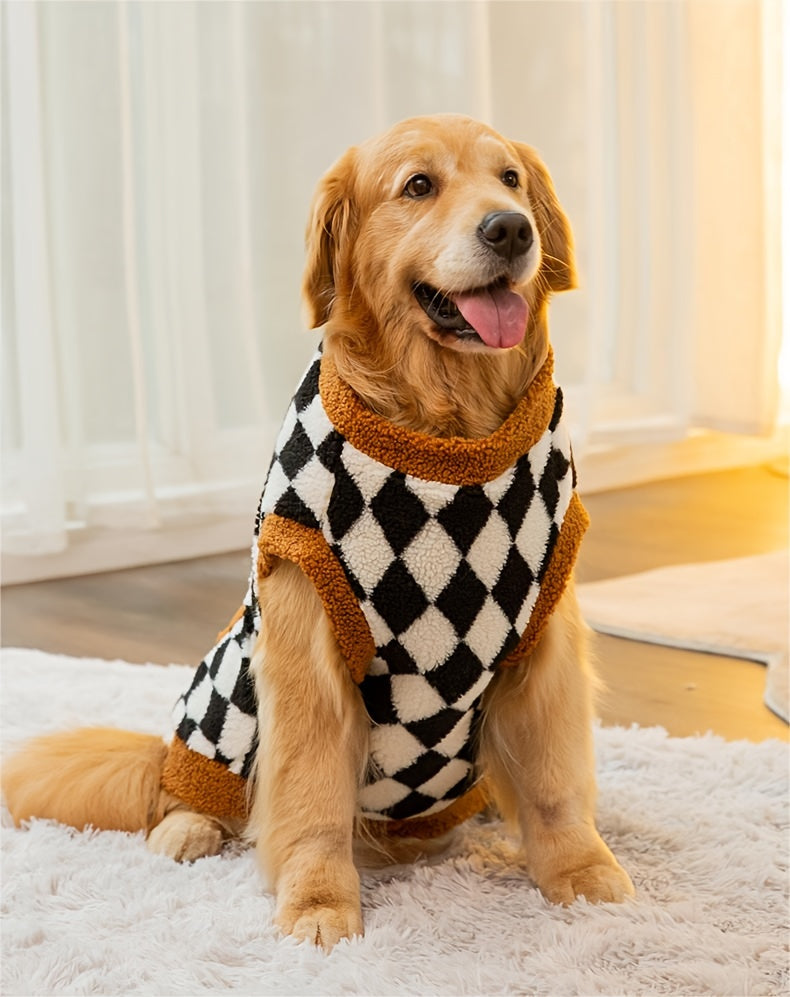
432,558
378,796
414,698
498,487
228,672
313,485
315,422
366,550
236,738
489,551
522,620
444,780
565,486
393,748
533,535
434,495
430,640
276,485
199,698
488,632
368,474
539,454
197,741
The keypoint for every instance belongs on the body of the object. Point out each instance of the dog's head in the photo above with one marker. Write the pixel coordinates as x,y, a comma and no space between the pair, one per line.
441,228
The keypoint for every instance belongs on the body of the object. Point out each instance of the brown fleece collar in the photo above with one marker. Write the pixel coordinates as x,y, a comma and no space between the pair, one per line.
452,461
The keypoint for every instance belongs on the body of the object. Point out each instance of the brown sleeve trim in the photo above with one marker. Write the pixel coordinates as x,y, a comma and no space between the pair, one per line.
451,461
435,825
287,539
556,578
204,784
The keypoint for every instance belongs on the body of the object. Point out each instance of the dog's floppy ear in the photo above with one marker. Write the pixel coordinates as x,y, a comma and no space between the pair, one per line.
558,267
332,217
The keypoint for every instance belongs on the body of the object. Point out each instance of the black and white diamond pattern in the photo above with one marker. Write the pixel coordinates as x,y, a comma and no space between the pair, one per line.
446,577
217,716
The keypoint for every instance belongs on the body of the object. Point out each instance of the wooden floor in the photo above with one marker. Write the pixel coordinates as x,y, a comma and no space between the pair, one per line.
172,612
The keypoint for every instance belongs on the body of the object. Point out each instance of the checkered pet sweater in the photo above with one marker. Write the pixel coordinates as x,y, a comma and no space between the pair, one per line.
444,578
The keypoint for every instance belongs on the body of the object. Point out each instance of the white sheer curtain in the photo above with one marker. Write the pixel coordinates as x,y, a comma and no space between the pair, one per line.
158,161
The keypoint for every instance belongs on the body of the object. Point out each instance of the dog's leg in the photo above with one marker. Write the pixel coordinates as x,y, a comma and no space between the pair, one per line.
537,752
313,742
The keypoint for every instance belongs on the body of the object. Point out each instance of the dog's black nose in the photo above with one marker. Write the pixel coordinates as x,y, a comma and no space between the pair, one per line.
508,233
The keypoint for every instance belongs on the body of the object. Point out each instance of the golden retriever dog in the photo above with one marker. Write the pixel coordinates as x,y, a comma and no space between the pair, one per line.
395,687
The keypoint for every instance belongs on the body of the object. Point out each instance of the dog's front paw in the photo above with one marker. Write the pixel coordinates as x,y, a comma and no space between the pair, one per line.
186,836
321,925
575,862
598,883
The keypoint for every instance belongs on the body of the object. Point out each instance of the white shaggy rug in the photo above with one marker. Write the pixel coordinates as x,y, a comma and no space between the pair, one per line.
700,824
739,608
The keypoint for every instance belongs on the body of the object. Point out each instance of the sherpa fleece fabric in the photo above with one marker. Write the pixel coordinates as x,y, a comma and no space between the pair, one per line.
437,561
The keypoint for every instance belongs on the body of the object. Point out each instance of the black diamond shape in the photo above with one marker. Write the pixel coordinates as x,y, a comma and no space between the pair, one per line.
457,675
556,415
462,598
290,506
513,584
554,533
430,731
329,449
400,514
216,660
377,695
346,503
423,769
465,516
398,599
555,470
410,806
513,505
186,728
249,758
296,452
398,659
214,718
308,389
243,696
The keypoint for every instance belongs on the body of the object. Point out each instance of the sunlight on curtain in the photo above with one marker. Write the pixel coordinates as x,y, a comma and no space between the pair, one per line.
158,163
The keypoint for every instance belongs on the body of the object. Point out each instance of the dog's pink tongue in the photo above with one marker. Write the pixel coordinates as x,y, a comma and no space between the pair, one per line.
498,316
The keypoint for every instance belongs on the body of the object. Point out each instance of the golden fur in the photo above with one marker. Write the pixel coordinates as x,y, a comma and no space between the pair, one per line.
367,245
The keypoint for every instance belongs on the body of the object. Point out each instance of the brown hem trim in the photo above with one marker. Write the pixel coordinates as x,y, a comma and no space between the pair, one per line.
435,825
287,539
452,461
556,578
204,784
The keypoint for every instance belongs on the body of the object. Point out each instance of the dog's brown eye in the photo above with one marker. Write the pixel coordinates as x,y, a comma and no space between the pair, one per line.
510,178
418,186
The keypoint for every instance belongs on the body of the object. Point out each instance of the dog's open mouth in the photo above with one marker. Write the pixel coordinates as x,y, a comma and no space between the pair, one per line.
494,315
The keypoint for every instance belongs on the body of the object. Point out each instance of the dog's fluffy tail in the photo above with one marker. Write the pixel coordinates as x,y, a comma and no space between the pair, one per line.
100,777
